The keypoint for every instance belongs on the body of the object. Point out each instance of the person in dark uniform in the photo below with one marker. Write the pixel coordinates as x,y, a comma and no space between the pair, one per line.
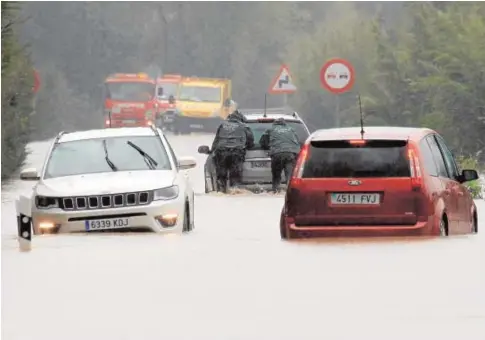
283,145
233,138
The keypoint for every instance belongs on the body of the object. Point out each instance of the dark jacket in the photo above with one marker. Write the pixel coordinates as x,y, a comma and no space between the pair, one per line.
233,133
280,138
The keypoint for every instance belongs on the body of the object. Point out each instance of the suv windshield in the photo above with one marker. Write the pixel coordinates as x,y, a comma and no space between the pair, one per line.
258,128
340,159
88,156
130,91
200,94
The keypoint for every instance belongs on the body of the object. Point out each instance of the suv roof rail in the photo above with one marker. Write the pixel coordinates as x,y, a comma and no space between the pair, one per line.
59,137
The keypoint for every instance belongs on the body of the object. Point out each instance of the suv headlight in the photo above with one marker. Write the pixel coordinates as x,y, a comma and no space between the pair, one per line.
44,202
168,193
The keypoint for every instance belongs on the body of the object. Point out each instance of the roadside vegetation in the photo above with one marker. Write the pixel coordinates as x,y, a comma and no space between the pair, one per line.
17,94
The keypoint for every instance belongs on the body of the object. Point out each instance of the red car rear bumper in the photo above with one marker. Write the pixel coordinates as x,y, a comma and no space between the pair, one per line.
419,229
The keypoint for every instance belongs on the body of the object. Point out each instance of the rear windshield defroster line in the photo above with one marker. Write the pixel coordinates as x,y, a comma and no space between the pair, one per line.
342,159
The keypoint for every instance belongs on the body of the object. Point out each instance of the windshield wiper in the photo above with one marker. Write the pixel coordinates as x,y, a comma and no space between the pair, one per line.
110,163
146,157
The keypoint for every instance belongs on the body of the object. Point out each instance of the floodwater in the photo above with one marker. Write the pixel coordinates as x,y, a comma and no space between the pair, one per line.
233,278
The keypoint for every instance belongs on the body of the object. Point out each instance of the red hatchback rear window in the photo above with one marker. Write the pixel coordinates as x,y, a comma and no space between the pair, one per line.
344,159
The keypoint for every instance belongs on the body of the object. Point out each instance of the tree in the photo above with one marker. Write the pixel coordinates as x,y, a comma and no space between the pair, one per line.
17,92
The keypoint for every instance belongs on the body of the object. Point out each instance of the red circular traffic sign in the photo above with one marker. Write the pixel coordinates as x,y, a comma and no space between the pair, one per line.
337,76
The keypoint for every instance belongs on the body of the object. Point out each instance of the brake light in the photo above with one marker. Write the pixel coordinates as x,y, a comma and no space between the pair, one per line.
265,120
415,168
358,142
300,164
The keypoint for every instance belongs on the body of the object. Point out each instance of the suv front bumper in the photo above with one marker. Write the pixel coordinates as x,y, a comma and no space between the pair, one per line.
157,217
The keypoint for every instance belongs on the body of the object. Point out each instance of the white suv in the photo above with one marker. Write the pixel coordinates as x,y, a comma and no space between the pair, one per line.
119,178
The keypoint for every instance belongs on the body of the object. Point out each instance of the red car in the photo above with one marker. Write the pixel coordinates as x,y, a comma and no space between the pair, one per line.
393,181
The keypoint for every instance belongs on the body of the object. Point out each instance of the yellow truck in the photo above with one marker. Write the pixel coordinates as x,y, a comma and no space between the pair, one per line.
202,103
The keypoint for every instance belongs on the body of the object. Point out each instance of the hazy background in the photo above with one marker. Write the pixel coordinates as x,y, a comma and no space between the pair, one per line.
420,64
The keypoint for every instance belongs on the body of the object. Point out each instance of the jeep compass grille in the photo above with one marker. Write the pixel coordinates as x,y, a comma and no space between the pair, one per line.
106,201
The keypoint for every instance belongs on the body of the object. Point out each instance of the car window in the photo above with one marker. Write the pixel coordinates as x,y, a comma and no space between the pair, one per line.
428,159
88,156
437,156
341,159
169,89
258,128
208,94
448,157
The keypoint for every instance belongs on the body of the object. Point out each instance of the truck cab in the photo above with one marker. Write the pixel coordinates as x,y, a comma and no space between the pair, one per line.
129,100
203,103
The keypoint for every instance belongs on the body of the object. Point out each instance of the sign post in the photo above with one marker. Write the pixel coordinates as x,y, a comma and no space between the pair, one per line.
36,86
337,76
283,84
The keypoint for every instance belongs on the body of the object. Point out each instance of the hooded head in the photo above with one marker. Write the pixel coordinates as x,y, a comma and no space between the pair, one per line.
279,121
236,115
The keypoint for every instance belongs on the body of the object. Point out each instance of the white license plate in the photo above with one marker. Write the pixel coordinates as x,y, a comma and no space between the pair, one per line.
358,199
260,164
129,121
197,126
112,223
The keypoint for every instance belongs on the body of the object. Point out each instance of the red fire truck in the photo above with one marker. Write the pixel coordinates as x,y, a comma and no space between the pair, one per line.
130,100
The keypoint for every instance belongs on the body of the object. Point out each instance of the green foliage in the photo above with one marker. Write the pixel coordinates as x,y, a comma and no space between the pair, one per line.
17,82
426,68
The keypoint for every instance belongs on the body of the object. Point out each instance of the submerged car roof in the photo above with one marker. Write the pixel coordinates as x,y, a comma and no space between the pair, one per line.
371,132
253,115
107,133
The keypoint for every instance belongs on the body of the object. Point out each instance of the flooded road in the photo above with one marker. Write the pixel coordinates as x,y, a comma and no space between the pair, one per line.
233,278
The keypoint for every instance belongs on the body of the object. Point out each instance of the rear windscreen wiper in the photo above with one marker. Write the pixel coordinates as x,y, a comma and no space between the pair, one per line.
148,159
110,163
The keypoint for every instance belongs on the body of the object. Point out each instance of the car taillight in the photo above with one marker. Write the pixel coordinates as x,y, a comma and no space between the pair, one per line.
416,177
300,164
358,142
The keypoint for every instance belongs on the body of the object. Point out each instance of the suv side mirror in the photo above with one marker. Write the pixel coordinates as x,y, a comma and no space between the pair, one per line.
204,149
29,174
468,175
228,102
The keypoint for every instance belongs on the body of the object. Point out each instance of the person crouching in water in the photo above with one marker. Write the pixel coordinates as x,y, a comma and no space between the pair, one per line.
283,145
233,138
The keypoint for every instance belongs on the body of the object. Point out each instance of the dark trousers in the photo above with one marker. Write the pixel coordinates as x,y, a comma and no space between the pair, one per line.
229,162
283,161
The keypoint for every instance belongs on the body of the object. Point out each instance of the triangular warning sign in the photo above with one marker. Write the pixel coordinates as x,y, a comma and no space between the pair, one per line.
283,83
